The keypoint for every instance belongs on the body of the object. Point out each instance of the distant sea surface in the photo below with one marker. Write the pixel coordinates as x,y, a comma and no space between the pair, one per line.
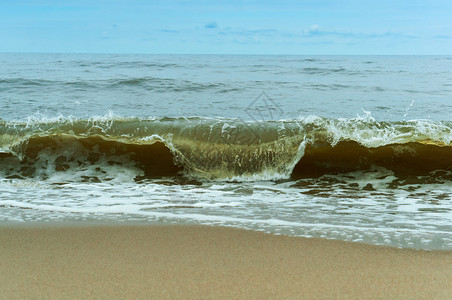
355,148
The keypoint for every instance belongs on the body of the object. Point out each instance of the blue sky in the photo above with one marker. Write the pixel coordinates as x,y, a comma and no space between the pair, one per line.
227,27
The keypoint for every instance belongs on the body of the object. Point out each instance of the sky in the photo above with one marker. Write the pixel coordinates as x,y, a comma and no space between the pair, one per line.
350,27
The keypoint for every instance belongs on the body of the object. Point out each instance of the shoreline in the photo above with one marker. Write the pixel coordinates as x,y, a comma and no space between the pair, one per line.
185,261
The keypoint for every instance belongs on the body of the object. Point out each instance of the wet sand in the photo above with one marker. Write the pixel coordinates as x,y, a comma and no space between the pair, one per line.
195,262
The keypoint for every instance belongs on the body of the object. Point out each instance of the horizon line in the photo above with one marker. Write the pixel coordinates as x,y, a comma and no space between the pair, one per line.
213,54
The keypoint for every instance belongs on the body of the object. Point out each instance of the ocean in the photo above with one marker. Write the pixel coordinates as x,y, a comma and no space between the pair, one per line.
354,148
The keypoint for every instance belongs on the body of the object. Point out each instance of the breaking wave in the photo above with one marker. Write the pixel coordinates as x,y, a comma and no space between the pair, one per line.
104,148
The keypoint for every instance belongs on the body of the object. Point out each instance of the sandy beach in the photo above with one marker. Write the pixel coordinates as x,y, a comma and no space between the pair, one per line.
194,262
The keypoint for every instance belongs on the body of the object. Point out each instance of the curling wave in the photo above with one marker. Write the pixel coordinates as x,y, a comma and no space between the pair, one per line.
220,149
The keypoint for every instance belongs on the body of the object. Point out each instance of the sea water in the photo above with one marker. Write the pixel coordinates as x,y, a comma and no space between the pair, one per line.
356,148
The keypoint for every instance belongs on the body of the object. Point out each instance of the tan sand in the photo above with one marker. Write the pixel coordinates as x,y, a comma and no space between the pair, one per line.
190,262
